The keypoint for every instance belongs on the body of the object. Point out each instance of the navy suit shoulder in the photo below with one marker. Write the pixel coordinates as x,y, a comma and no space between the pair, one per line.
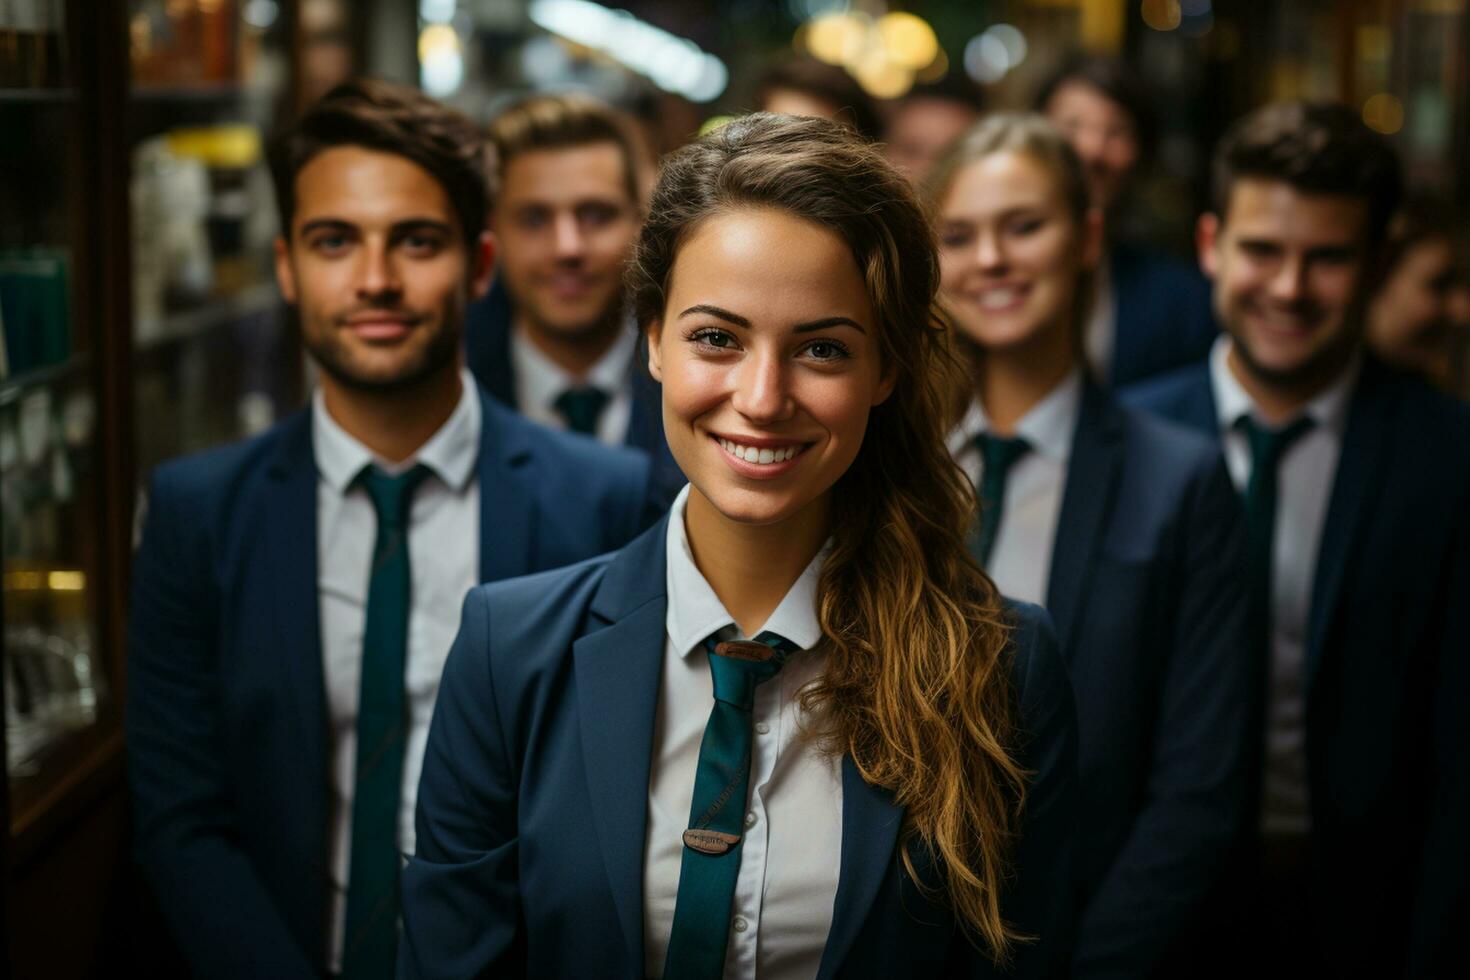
208,481
1183,396
616,482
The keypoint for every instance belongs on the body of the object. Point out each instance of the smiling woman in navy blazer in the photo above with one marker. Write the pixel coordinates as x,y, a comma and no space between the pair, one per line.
1124,527
793,731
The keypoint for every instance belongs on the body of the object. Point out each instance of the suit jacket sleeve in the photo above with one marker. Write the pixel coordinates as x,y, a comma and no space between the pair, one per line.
187,837
461,904
1041,901
1439,945
1193,804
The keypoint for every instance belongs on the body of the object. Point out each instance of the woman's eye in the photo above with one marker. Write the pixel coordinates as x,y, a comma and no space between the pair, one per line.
1027,226
718,339
826,350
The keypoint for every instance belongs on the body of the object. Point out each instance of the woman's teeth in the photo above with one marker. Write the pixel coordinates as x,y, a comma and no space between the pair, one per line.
752,455
999,299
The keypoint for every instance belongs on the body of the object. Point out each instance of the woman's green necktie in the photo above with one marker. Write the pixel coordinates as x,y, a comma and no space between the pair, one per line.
711,860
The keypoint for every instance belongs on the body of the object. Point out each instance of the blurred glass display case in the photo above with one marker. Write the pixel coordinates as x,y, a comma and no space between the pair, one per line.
60,708
138,321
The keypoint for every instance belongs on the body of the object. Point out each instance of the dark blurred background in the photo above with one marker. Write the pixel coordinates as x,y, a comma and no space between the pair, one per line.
140,320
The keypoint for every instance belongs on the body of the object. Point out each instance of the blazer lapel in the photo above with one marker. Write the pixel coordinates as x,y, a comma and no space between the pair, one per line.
1087,500
617,672
507,510
870,825
291,555
1360,471
1125,341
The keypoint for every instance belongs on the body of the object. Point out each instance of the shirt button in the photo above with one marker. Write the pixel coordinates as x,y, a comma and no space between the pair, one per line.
750,820
762,728
740,924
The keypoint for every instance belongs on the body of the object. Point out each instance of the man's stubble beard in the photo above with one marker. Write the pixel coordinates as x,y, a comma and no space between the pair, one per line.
335,359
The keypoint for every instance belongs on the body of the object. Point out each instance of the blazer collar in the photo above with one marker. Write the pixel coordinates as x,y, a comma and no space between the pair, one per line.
291,554
1087,500
617,669
508,511
1365,462
870,824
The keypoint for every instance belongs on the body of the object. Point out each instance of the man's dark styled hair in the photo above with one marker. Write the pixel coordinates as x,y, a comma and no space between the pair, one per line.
830,84
1114,79
389,118
1316,148
953,87
561,121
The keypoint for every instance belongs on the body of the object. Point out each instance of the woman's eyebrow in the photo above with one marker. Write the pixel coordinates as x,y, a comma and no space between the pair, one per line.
740,321
715,311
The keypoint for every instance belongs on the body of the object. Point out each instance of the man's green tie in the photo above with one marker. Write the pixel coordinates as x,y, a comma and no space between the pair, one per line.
1267,446
582,407
997,455
371,935
711,860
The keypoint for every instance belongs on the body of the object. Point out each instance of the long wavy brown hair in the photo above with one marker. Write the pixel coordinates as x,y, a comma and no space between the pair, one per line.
916,687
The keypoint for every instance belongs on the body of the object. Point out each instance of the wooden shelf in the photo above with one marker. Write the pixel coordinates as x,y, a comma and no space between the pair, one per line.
38,96
11,387
183,327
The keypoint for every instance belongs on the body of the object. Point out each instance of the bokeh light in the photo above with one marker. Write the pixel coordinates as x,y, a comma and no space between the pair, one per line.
1384,112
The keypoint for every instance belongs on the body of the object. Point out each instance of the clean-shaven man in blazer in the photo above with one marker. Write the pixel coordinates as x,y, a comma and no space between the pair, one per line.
1150,310
1357,492
552,338
285,643
1125,527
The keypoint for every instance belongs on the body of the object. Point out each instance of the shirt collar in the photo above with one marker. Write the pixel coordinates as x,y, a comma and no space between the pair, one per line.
450,453
540,380
695,611
1048,427
1233,402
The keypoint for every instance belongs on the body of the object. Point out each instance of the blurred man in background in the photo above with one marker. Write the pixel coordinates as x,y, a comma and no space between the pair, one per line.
808,87
1150,311
924,122
553,340
1356,482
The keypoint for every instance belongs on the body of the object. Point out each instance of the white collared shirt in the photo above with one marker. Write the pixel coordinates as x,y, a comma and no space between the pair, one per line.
444,554
792,850
1100,333
1304,488
1020,561
540,381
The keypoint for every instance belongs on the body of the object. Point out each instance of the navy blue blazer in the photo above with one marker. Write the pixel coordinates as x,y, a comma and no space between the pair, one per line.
1163,313
1387,643
226,709
487,352
1147,593
534,798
